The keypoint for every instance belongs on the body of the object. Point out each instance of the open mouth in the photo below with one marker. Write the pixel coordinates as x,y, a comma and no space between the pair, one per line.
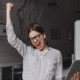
38,45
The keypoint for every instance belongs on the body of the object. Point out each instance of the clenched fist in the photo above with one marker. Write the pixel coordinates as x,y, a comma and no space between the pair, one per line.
9,6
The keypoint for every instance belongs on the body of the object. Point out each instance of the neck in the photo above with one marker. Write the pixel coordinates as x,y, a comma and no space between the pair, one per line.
44,50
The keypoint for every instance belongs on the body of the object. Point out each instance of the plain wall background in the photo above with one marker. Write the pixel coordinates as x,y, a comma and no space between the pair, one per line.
77,40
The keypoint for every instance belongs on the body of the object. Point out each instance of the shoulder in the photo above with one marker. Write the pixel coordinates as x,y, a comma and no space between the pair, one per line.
55,52
31,50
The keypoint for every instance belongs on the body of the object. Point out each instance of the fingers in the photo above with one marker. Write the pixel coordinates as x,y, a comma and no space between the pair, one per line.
9,6
76,76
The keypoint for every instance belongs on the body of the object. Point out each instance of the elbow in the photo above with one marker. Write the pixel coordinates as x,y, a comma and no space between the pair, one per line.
11,41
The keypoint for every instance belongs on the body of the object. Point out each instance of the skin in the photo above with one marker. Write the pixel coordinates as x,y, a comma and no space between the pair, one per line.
38,43
9,7
76,76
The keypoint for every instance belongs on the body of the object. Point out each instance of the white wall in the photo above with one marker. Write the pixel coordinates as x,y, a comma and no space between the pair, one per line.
77,40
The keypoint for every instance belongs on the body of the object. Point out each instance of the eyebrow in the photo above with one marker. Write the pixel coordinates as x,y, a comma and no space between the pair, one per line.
34,36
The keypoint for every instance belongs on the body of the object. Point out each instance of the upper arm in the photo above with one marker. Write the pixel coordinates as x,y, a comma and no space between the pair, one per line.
15,41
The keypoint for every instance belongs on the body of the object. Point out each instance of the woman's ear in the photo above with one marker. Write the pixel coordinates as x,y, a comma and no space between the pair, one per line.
44,36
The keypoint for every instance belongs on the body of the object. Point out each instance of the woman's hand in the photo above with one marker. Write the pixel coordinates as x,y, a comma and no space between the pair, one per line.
76,76
9,6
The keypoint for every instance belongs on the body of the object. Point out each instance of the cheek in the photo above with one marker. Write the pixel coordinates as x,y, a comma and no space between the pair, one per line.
32,43
42,41
42,38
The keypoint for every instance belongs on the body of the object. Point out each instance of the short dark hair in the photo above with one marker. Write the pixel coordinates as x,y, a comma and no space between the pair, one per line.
37,27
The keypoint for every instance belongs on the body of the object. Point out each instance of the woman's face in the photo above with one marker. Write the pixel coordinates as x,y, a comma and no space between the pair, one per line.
37,39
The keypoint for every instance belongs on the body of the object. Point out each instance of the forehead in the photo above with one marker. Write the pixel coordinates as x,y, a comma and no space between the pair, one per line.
33,33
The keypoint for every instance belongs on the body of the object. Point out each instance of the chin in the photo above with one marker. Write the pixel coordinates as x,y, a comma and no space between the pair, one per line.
41,49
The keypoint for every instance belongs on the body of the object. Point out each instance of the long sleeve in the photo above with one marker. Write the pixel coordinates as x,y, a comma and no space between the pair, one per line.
14,41
59,68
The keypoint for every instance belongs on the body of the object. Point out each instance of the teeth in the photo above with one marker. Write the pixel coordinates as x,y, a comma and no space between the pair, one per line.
38,44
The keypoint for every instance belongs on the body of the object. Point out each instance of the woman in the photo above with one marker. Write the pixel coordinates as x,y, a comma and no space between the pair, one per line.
40,62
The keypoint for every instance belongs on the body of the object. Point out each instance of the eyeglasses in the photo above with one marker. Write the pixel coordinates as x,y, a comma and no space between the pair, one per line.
35,37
